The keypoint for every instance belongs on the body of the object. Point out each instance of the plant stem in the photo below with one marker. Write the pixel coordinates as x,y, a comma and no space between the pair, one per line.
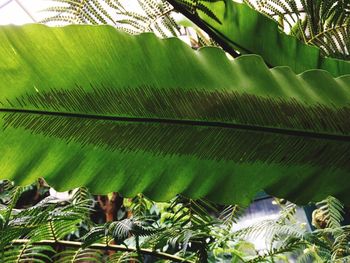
105,247
138,249
195,19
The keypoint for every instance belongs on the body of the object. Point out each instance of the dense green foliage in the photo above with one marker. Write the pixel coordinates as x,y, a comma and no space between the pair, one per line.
39,227
91,106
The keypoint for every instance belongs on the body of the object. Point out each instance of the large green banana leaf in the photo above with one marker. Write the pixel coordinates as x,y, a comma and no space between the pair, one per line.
242,27
90,106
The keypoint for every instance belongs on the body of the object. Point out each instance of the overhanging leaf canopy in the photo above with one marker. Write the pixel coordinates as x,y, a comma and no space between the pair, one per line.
239,26
91,106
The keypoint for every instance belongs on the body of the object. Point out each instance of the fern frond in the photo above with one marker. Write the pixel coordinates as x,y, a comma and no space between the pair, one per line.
332,211
97,234
120,230
341,248
80,255
156,15
81,194
140,205
122,257
57,221
6,186
275,251
271,230
306,257
322,23
11,233
86,11
59,18
27,253
287,213
230,214
192,212
54,229
334,41
7,212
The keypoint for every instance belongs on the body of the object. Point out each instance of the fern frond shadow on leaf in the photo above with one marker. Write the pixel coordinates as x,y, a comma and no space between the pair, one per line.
190,140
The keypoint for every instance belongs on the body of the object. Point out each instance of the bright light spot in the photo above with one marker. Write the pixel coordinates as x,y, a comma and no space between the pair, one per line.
19,12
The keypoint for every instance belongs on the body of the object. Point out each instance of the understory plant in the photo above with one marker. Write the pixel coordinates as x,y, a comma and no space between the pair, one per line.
38,225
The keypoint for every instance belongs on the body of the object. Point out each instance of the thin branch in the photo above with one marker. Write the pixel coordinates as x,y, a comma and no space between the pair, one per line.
5,4
144,251
25,10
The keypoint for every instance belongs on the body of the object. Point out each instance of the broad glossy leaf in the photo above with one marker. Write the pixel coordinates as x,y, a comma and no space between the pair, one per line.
242,27
90,106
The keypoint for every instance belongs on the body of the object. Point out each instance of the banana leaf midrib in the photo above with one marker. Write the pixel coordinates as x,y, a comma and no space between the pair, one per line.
188,122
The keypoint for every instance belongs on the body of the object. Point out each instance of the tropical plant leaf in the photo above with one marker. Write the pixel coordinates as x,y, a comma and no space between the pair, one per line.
244,28
91,106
